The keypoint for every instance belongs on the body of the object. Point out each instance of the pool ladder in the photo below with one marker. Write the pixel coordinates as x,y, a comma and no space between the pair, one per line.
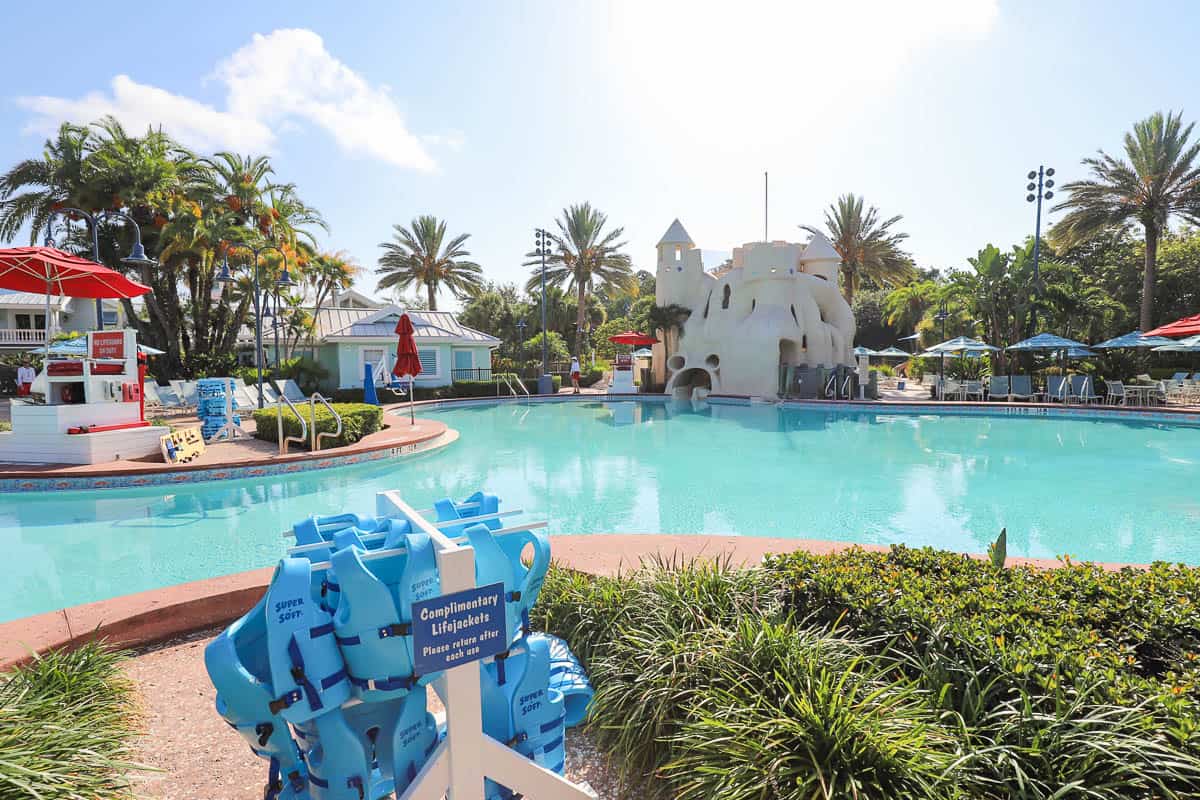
315,440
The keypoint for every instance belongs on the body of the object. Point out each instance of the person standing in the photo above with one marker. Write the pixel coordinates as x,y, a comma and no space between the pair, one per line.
25,376
575,373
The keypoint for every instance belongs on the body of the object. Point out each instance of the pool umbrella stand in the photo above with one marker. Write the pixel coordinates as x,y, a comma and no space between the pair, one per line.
408,362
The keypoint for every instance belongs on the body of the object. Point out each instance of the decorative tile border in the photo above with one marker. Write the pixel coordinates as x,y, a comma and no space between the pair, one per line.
1108,414
224,472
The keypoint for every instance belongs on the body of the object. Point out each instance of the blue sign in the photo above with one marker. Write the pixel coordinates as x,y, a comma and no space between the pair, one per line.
458,628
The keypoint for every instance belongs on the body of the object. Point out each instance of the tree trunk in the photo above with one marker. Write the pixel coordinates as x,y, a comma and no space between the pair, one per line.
432,290
580,317
848,284
1149,278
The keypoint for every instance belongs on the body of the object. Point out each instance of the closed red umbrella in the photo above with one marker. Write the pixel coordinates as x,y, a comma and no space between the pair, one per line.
408,362
634,338
1188,326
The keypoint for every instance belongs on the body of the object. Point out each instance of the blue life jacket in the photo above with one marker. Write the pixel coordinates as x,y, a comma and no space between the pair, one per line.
520,709
568,677
339,767
373,621
321,528
498,559
400,733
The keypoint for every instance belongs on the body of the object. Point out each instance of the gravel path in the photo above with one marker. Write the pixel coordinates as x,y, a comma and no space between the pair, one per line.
197,757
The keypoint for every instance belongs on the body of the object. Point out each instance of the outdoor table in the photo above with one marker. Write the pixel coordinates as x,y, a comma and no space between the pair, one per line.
1139,393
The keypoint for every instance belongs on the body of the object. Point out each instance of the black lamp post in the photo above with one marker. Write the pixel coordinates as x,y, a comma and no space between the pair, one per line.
1038,192
137,256
941,317
543,242
285,280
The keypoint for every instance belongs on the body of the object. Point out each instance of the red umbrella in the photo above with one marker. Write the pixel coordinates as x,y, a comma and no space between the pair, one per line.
633,338
1188,326
50,270
407,360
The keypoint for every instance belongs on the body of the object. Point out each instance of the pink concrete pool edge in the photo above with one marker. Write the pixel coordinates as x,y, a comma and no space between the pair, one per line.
146,618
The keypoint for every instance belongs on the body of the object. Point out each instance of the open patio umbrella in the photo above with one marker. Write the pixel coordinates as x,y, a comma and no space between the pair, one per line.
864,351
1044,342
1188,326
408,362
1188,345
55,272
1131,340
893,352
633,338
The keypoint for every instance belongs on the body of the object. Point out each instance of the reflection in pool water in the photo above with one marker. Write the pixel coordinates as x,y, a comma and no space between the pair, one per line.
1102,490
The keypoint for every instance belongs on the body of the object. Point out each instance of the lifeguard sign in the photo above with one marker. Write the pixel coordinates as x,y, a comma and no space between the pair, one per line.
107,344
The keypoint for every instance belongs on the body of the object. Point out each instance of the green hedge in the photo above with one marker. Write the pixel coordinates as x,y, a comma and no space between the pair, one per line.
358,420
590,378
911,673
455,390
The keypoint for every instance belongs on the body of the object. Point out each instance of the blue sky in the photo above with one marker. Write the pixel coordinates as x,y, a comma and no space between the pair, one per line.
496,115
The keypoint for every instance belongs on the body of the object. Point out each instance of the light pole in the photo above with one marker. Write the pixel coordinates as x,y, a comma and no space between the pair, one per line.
1043,186
137,256
285,280
543,242
941,317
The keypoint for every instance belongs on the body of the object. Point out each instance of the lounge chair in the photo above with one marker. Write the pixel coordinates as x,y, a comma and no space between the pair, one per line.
186,392
270,396
1056,389
1179,377
1081,390
150,395
973,389
292,391
1022,388
998,387
952,390
169,397
1114,392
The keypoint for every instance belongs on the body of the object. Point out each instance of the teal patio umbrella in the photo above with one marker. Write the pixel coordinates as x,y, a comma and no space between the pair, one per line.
1131,340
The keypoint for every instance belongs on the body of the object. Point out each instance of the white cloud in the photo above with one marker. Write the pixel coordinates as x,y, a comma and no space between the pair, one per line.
278,82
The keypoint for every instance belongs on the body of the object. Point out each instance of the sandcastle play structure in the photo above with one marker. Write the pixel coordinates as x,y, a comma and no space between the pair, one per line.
774,307
326,676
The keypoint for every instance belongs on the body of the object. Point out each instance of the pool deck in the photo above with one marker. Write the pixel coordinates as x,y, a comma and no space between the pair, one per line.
157,615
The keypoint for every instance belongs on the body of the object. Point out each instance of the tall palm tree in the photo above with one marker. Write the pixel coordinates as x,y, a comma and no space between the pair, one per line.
584,258
907,304
1160,179
34,188
326,274
420,255
868,246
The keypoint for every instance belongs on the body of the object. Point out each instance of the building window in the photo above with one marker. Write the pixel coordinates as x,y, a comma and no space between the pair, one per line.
725,296
678,253
110,318
429,361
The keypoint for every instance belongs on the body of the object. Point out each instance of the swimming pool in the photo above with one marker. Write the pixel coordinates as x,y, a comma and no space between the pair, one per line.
1101,490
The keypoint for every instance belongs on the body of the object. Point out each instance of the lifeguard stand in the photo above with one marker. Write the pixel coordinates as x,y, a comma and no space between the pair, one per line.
84,410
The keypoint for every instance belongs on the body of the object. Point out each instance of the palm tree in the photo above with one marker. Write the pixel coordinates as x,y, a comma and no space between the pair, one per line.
584,258
1159,180
421,256
906,304
326,274
867,245
33,189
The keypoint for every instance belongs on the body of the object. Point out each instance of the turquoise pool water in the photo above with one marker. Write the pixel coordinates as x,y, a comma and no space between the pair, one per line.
1101,490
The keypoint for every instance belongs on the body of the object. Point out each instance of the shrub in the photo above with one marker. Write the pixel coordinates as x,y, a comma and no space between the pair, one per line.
590,378
67,726
307,373
911,673
358,420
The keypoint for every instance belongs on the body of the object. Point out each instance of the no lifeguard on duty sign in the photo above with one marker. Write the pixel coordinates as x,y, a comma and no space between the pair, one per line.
459,628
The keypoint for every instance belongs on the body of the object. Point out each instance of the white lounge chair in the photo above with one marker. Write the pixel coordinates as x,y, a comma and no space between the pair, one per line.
186,391
952,390
1022,388
973,389
169,397
150,395
1115,393
998,387
292,391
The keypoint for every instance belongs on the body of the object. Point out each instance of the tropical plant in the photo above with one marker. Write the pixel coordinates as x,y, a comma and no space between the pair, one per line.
1159,180
869,248
421,256
584,258
325,275
906,305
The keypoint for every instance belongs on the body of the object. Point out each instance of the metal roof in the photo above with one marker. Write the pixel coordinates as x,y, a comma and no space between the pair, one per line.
30,299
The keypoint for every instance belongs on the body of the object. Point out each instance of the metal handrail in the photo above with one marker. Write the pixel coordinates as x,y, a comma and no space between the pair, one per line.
503,376
283,440
521,384
846,386
316,437
831,387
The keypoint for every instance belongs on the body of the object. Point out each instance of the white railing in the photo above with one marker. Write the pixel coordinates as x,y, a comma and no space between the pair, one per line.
22,336
283,440
312,415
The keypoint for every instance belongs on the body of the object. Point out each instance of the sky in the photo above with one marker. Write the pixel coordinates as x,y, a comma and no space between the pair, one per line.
495,116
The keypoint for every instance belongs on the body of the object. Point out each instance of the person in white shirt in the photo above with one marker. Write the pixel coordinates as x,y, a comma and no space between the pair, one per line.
25,376
575,373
